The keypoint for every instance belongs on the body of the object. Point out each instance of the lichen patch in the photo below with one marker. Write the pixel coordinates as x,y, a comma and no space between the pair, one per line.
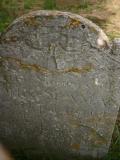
38,68
73,23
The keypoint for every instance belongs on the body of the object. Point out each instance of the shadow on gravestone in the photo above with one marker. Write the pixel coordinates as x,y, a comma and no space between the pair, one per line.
59,82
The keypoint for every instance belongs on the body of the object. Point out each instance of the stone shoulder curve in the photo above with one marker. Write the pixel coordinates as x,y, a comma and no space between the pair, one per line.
77,17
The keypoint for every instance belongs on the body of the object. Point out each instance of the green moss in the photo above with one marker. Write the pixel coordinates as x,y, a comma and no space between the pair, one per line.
31,21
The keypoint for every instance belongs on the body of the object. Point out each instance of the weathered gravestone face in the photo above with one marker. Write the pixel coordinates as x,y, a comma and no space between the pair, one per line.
59,86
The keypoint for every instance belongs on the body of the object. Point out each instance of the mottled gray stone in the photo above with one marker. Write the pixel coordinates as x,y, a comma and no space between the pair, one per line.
59,82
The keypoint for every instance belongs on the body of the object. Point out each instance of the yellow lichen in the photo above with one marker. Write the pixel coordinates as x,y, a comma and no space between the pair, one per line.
22,65
84,69
74,23
93,136
75,146
31,21
38,68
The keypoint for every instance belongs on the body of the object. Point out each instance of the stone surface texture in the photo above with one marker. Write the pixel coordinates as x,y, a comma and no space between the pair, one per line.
59,86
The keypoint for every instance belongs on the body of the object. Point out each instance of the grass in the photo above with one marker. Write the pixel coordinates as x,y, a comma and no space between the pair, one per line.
49,4
28,4
5,21
114,152
105,13
8,11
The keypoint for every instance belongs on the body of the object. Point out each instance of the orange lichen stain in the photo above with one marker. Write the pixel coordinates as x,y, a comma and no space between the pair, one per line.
74,23
99,142
75,125
96,138
72,121
9,39
75,146
31,21
22,65
38,68
34,67
84,69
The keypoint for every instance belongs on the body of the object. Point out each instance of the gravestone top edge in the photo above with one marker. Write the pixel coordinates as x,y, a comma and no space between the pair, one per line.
75,17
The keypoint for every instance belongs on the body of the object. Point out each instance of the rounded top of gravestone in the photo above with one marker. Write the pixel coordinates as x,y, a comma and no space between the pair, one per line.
46,30
62,20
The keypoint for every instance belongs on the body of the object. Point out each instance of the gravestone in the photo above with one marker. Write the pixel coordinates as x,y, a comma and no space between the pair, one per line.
59,82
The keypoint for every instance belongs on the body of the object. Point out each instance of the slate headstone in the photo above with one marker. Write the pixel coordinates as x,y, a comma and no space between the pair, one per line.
59,82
